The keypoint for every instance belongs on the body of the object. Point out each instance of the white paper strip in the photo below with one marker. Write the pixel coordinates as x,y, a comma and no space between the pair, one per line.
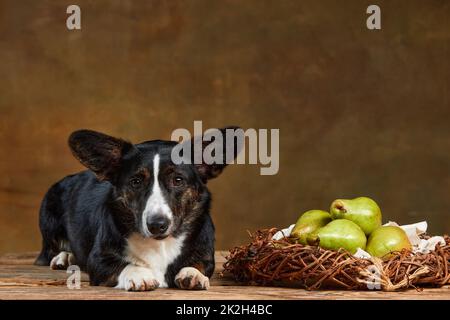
283,233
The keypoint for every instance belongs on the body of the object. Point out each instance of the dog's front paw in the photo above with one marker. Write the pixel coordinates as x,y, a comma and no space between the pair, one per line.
134,278
191,278
62,260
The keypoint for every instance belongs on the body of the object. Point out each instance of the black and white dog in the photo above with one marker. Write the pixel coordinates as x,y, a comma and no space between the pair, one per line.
135,220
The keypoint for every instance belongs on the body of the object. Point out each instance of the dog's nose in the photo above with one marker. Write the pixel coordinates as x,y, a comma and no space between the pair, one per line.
158,225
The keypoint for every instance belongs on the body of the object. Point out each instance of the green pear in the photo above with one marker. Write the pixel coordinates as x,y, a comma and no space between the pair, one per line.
338,234
387,239
309,222
363,211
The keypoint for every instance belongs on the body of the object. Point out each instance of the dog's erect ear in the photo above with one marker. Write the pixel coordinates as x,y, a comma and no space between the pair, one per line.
102,154
219,148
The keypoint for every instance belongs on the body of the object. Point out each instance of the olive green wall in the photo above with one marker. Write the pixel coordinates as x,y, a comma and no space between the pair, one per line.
360,112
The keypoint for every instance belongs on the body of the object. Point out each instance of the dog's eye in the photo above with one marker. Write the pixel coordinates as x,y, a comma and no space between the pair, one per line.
178,181
135,182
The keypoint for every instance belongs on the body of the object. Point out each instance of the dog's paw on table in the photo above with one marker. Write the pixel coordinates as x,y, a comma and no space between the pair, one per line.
62,261
134,278
192,279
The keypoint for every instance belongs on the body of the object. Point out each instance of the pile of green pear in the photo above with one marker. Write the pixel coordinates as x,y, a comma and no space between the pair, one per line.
350,224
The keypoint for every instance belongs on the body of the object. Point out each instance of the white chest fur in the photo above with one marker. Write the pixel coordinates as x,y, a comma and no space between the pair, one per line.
156,255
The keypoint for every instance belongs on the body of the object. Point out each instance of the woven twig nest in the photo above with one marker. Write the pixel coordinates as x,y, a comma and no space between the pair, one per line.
281,263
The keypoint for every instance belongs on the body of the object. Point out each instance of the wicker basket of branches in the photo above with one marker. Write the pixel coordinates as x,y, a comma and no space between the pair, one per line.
282,263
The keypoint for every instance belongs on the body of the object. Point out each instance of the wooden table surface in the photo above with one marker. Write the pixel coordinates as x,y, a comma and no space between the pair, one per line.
20,279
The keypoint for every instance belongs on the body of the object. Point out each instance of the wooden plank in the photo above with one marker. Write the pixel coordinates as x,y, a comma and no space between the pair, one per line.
19,279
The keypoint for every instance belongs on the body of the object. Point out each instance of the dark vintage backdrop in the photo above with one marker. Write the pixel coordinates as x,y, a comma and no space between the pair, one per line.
360,112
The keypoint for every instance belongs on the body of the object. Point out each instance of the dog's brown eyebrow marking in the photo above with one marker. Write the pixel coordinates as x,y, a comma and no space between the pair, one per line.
144,172
169,169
